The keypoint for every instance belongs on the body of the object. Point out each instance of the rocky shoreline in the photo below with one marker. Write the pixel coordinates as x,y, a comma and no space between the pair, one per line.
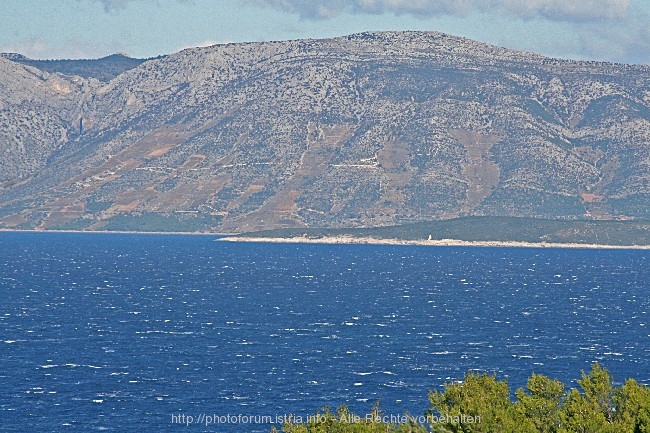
425,242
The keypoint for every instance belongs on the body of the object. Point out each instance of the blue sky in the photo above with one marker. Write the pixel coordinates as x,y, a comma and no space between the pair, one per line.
611,30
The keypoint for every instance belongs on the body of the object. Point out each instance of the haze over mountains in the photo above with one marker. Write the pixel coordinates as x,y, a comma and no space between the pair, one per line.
371,129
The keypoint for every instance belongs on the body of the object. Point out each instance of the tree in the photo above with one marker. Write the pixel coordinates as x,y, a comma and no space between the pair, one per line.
579,415
598,389
632,407
478,404
642,423
542,404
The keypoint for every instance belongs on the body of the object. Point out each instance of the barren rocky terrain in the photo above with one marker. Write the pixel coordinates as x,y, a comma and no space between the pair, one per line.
366,130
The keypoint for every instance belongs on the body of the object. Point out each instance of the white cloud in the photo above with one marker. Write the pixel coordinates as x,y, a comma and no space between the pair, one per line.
564,10
622,42
113,5
611,30
560,10
205,43
40,49
33,48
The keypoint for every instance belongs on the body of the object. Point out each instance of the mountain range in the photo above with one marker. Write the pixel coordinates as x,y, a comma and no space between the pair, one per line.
367,130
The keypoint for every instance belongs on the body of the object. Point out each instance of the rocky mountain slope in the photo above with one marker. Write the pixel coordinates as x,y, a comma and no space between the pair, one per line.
365,130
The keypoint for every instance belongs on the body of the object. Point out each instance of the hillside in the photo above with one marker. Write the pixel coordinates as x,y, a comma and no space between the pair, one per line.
372,129
104,69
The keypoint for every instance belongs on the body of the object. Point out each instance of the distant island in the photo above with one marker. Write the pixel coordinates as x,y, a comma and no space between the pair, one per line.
474,231
376,129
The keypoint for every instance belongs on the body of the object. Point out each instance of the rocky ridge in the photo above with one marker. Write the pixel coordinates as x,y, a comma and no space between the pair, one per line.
366,130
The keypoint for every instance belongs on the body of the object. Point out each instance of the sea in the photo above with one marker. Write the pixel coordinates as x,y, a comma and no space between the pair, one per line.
150,333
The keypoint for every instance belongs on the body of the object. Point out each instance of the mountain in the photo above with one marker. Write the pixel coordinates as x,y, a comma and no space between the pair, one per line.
372,129
103,69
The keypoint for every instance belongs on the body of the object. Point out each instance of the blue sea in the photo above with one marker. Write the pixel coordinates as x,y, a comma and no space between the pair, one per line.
150,333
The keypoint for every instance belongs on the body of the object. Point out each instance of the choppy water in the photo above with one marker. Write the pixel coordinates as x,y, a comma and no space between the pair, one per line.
120,332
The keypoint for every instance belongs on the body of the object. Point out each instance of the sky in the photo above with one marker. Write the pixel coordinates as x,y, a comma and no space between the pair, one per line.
603,30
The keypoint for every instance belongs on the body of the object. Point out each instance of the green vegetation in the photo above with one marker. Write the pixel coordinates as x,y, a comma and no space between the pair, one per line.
493,228
76,224
481,404
96,206
153,222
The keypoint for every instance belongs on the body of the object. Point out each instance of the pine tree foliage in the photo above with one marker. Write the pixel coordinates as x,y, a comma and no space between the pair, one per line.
480,403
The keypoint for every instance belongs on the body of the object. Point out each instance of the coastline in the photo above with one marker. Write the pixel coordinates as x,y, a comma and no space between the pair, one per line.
121,232
352,240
